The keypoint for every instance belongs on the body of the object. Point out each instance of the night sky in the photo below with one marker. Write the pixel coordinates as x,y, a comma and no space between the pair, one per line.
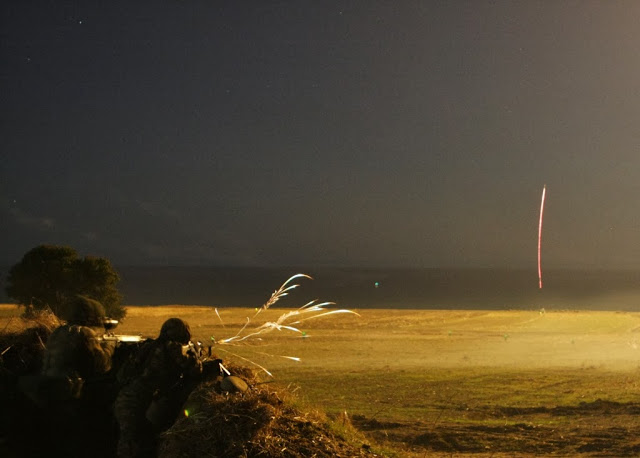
328,133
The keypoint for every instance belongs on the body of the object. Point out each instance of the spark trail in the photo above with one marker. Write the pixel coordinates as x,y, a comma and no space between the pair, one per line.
544,193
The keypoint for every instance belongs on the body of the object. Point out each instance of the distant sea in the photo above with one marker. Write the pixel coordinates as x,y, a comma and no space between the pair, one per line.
355,288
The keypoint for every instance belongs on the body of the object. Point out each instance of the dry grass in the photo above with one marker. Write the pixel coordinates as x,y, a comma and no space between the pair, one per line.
444,383
260,422
402,340
22,340
467,383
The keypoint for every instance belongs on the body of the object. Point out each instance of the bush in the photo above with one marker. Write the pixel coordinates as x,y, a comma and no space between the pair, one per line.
48,276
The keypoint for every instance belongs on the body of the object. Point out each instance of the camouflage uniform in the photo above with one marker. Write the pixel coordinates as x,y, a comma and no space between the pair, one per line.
74,351
72,384
163,371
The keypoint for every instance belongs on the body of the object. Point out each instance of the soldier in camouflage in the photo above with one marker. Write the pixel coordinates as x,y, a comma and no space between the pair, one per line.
72,387
74,350
151,396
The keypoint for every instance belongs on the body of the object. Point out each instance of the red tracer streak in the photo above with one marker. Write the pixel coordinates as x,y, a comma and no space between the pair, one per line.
544,192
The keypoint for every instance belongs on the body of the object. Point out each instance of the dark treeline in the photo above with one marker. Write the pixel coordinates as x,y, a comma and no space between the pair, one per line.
382,288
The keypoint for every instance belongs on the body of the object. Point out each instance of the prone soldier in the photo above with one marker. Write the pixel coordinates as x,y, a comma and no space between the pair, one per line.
73,388
74,353
155,388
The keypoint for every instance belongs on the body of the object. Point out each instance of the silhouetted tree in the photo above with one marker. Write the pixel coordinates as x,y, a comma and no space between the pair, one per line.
49,275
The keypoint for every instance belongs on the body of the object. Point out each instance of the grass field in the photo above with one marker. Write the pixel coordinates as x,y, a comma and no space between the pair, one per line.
449,383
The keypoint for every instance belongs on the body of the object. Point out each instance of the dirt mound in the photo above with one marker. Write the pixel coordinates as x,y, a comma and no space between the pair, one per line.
22,342
260,422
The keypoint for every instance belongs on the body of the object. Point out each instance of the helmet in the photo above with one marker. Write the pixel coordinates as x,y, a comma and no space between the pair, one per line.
83,311
176,330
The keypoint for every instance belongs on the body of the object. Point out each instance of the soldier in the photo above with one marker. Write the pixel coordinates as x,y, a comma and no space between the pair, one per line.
151,397
73,385
74,351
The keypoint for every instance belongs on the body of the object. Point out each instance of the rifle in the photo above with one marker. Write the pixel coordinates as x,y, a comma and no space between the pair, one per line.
211,365
213,369
125,346
109,325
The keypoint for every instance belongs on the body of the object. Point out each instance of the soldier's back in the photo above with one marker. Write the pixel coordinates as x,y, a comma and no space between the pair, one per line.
74,350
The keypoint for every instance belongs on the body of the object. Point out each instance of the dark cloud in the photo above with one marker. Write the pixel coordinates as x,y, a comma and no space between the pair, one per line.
335,133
